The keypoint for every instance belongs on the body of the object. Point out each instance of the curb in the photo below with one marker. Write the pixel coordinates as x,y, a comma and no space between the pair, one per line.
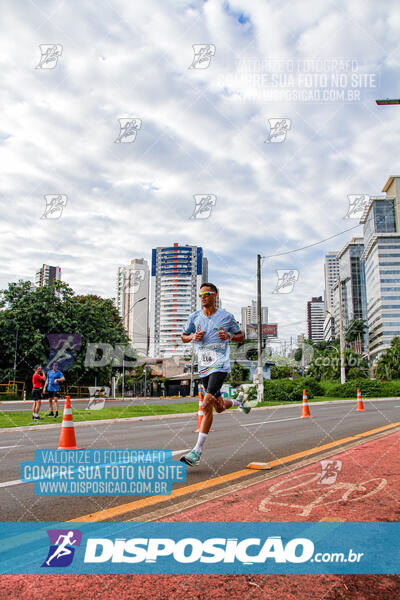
171,416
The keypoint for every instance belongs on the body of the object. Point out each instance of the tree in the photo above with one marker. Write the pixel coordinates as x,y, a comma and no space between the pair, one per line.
238,374
283,372
298,354
54,309
354,334
388,365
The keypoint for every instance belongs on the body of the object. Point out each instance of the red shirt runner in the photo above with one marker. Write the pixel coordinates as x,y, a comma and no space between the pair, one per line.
37,381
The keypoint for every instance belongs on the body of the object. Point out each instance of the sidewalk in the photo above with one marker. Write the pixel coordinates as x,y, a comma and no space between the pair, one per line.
359,484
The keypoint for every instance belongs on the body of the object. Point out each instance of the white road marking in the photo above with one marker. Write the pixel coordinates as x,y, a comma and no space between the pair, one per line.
3,447
276,421
9,483
18,481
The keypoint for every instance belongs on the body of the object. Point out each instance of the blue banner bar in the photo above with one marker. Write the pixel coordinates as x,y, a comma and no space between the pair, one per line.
196,548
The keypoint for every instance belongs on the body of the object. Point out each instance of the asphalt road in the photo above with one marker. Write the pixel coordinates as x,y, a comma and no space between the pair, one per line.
82,403
236,440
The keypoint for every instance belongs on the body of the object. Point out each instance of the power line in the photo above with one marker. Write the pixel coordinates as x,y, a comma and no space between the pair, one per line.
310,245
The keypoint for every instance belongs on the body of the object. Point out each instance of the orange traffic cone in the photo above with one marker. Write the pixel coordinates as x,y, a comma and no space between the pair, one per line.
305,411
200,411
360,405
67,436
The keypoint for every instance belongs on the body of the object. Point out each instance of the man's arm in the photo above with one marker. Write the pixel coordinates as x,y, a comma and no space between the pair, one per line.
237,337
189,337
233,337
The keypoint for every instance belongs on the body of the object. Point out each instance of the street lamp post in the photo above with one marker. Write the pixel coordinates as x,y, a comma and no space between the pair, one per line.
123,360
341,336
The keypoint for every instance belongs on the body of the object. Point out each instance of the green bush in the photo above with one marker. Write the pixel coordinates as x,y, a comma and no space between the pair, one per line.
312,386
284,390
369,389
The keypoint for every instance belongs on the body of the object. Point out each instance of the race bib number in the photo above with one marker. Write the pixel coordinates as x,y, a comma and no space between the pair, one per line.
207,357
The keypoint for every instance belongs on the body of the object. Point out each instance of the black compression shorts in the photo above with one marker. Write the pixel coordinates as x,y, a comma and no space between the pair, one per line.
212,383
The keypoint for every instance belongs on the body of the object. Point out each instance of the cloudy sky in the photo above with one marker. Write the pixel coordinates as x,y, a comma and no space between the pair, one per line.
203,130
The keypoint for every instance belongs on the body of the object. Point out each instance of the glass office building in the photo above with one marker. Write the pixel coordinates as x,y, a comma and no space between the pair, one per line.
382,271
354,292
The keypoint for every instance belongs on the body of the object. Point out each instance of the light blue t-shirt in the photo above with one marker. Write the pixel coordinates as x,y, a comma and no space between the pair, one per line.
213,354
51,376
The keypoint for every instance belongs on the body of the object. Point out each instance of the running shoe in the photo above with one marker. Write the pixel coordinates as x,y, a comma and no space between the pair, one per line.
56,415
244,406
192,458
50,414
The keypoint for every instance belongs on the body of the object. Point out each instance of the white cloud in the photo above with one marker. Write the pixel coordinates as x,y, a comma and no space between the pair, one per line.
120,59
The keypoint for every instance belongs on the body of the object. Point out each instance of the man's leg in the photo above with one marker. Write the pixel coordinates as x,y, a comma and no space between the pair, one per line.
56,405
50,398
212,384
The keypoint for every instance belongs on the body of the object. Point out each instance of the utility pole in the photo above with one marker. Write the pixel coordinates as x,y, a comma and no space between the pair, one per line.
260,375
15,359
341,336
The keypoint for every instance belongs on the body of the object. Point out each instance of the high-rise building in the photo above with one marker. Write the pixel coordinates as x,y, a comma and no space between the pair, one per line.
354,291
177,273
331,273
133,302
315,319
47,275
249,315
381,220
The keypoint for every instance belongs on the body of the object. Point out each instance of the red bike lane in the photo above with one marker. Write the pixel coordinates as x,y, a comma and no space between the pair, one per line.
359,484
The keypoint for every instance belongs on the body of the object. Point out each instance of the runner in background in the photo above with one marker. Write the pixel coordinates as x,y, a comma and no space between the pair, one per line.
38,379
212,329
54,378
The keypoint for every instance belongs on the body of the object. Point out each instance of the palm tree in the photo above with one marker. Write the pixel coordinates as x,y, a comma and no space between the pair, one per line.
354,334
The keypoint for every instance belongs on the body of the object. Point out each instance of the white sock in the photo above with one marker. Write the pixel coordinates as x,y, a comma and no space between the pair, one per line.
35,415
200,442
238,401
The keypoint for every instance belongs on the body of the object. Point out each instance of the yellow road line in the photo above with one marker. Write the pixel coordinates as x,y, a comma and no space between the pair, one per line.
115,511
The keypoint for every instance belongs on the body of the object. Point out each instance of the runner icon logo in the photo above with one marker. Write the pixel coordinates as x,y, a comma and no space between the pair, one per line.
61,551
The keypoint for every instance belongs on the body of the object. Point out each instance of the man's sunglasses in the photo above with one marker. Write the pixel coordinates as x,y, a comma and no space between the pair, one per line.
206,294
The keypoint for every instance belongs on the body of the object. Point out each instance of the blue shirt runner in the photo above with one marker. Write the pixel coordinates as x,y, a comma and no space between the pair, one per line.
213,354
51,376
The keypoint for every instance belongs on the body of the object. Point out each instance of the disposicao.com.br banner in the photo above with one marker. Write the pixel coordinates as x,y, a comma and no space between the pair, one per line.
195,548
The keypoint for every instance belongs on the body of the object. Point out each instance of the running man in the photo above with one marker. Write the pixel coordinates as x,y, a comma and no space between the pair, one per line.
212,329
62,548
54,378
38,379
